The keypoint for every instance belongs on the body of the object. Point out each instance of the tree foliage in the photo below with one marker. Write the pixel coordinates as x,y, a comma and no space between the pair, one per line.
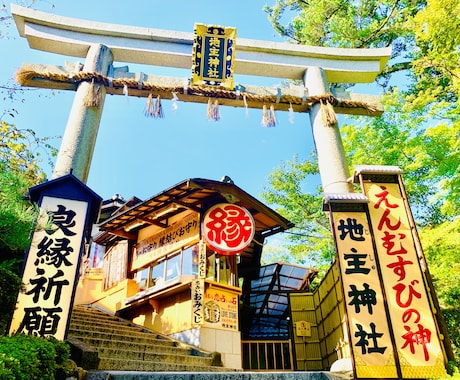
19,170
27,357
341,23
442,251
297,200
419,130
21,153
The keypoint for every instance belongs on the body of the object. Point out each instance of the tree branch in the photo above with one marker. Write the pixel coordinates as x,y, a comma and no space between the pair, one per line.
379,29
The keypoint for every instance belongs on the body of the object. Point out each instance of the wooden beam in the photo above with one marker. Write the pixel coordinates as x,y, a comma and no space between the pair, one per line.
124,234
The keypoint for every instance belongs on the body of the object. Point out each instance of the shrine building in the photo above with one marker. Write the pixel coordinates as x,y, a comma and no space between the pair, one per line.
156,263
187,263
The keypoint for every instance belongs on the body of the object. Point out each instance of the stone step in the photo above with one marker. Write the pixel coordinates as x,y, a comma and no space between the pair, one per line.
137,355
124,346
100,320
91,311
208,375
114,364
133,346
114,334
102,323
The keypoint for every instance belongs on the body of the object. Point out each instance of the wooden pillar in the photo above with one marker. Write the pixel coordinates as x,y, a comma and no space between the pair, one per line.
80,134
331,156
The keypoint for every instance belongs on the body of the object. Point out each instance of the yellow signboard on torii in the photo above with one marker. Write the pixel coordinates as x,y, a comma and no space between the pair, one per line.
213,56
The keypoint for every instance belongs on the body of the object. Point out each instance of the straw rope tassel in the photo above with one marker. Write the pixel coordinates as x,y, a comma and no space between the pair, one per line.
246,105
291,114
126,91
272,116
93,95
149,108
328,115
209,110
158,108
215,111
174,105
265,116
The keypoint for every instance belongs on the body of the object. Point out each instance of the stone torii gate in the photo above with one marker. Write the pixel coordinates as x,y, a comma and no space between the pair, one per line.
102,44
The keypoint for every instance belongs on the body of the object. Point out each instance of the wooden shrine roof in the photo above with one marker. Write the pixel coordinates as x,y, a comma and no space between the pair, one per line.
195,194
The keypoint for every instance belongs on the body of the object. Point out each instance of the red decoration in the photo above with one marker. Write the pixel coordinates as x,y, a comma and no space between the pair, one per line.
227,228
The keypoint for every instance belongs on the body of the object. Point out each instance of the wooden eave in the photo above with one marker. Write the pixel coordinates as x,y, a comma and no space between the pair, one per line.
195,194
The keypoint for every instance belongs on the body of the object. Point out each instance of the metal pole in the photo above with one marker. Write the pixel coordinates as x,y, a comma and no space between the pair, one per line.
331,157
80,134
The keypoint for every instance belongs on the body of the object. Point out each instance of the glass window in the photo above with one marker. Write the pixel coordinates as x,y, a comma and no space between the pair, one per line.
190,260
221,268
210,265
158,274
173,267
142,279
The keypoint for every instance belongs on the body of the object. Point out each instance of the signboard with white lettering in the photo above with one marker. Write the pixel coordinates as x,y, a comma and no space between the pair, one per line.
67,210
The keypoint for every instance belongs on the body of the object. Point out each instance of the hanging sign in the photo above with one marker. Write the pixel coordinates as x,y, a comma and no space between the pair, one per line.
303,328
171,238
213,56
227,228
201,260
197,302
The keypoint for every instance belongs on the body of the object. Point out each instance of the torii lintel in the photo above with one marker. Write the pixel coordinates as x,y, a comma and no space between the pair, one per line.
130,44
102,44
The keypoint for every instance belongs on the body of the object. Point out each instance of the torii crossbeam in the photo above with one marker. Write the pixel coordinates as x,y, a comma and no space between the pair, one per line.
101,44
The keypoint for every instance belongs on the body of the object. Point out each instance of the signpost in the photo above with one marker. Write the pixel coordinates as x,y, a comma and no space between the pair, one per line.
67,210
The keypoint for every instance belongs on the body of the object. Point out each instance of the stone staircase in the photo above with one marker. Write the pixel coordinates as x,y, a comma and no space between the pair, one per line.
101,341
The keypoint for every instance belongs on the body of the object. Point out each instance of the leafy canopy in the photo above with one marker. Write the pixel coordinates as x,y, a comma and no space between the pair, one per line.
419,130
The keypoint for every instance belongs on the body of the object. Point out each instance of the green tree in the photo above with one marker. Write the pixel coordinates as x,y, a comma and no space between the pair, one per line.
18,172
419,130
298,201
21,153
442,251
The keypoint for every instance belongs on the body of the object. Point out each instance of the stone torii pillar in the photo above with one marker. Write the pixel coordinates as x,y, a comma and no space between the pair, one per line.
329,149
82,126
316,66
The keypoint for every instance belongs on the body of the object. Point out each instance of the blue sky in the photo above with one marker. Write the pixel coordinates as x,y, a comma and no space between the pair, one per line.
140,156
